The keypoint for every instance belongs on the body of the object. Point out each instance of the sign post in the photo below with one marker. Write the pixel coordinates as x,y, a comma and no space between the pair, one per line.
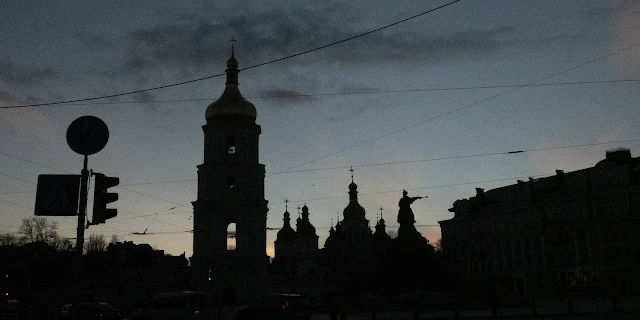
86,135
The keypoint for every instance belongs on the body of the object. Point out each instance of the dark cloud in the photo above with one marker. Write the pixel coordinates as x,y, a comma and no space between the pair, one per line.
10,99
22,75
170,46
283,97
277,33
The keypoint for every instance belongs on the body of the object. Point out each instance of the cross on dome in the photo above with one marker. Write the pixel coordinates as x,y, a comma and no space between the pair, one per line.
233,43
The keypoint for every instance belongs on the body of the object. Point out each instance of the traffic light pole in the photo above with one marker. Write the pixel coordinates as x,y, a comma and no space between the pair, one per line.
82,210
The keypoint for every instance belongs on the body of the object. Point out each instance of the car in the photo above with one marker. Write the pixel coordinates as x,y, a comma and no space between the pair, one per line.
91,311
277,306
184,305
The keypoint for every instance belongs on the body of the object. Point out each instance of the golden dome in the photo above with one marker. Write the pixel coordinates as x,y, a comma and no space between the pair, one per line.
231,105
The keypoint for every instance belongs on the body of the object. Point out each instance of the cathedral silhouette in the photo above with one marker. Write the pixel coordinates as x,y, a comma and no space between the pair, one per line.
231,205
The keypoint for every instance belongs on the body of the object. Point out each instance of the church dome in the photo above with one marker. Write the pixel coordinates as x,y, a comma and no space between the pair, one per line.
304,225
231,105
286,233
353,209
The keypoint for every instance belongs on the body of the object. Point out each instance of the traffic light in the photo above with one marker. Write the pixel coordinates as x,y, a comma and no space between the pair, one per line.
101,198
209,275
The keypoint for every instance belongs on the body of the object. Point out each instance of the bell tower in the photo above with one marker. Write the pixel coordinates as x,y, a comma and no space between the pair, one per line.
230,215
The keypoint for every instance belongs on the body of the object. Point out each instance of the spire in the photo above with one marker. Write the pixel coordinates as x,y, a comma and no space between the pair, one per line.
287,216
286,233
353,210
305,212
232,66
304,225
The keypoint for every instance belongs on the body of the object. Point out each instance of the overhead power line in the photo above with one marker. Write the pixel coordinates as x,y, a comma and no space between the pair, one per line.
353,93
460,108
186,205
389,163
462,156
410,189
120,209
242,69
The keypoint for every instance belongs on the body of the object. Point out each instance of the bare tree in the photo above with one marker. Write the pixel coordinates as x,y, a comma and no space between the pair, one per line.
64,244
38,229
96,243
8,239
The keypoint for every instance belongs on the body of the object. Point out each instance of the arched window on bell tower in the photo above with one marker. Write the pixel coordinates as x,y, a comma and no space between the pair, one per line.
231,236
231,146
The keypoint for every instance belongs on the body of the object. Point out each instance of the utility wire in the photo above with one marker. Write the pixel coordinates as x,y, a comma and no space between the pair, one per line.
460,108
352,93
120,209
15,192
412,161
335,168
17,205
458,157
410,189
242,69
16,178
148,215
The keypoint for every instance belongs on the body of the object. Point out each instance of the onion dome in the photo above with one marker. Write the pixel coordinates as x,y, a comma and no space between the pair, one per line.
286,233
381,231
340,232
304,226
353,210
331,237
231,105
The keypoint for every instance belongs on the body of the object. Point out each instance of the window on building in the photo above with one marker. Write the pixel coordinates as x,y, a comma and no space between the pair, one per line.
231,146
231,236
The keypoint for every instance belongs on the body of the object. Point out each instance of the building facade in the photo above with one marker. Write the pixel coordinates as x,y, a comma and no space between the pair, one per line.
230,204
575,231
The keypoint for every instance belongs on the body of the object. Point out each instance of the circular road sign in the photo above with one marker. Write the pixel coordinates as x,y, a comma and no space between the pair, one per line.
87,135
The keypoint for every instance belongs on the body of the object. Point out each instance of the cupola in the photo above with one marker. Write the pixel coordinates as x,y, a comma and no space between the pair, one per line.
231,106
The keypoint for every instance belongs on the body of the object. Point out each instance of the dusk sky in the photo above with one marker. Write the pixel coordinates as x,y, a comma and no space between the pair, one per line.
360,103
